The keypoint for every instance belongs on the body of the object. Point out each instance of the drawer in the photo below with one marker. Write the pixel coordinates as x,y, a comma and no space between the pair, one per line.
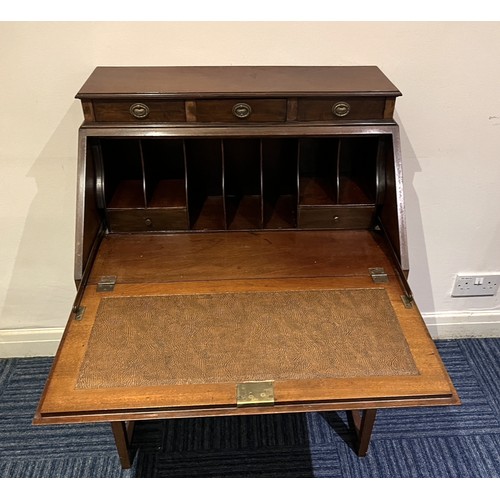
335,217
132,220
139,111
240,110
341,108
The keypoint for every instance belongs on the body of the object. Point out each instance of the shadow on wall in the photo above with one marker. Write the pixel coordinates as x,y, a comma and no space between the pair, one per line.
41,290
419,276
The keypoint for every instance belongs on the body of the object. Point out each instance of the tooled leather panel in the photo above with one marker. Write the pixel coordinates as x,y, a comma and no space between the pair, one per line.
233,337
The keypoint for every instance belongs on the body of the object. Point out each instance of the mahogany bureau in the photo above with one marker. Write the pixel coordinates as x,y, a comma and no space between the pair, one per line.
240,249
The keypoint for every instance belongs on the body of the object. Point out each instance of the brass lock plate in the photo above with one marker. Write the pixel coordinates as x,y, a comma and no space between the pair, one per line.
255,393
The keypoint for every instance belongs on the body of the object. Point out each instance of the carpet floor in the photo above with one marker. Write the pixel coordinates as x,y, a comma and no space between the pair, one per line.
452,442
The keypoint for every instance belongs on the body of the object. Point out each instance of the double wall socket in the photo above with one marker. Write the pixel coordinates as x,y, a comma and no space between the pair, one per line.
475,285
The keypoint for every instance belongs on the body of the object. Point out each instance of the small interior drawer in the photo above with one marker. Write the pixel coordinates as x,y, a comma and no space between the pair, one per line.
335,217
139,111
341,108
148,219
241,110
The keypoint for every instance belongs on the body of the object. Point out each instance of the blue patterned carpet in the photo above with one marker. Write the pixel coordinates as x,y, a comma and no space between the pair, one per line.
448,442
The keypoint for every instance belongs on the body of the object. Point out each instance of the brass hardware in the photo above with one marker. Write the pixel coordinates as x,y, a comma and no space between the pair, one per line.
79,312
242,110
255,393
378,275
341,108
106,284
407,301
148,222
139,110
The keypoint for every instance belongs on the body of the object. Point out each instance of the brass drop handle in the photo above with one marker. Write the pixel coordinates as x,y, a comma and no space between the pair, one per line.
341,108
139,110
242,110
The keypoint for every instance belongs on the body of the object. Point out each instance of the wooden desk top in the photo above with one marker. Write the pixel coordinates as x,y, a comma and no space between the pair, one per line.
237,80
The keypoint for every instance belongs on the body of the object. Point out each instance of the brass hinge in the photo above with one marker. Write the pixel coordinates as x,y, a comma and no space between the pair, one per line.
255,393
106,284
378,275
79,312
407,301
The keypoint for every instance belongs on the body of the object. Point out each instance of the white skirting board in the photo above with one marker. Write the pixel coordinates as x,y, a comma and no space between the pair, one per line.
463,324
22,343
32,342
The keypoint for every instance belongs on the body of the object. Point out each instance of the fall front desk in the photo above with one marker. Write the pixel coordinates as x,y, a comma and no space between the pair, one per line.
240,249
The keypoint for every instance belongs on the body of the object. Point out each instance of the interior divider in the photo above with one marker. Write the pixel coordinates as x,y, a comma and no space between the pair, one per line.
234,183
297,174
262,200
223,185
186,185
143,170
337,169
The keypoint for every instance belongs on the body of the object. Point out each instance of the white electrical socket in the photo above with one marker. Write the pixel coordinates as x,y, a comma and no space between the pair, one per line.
475,285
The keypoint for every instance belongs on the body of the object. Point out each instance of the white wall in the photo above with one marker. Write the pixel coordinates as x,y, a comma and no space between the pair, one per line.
449,115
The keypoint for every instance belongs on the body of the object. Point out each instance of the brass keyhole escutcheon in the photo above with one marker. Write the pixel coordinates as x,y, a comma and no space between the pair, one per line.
341,108
139,110
242,110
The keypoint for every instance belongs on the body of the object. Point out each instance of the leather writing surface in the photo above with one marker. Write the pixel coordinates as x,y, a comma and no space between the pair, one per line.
233,337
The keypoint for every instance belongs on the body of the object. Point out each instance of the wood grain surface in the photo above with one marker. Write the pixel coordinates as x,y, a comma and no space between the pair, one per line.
64,401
